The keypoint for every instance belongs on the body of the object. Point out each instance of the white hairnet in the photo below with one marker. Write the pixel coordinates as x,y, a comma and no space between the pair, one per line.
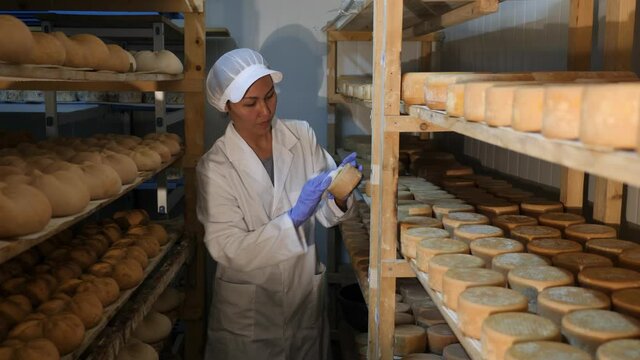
232,75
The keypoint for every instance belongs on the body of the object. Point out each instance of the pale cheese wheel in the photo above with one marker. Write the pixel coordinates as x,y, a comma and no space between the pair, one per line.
137,350
410,238
470,233
402,307
507,262
17,47
153,328
428,248
145,158
548,76
499,104
611,248
439,336
455,281
475,99
403,319
416,209
611,114
23,210
525,234
625,349
430,317
418,307
102,181
412,91
409,339
439,264
562,111
163,61
444,209
630,259
514,195
555,302
545,350
578,261
552,247
455,100
47,50
67,194
535,207
627,301
509,222
609,279
588,329
528,102
118,60
455,352
418,221
414,294
560,220
488,248
345,179
501,331
585,232
124,166
477,303
493,208
405,195
531,280
454,220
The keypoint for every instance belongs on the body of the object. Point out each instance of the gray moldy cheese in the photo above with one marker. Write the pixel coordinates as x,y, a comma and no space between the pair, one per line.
625,349
578,261
545,350
409,239
455,281
552,247
439,264
556,302
452,221
439,337
488,248
531,280
507,262
477,303
428,248
470,233
509,222
588,329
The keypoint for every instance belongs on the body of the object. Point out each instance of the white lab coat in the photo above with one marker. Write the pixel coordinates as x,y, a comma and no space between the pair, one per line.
268,291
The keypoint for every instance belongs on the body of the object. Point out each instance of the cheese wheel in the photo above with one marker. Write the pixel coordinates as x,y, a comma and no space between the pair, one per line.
578,261
556,302
475,99
137,350
402,307
439,264
562,110
552,247
531,280
488,248
455,100
493,208
416,209
514,195
430,317
509,222
528,102
499,104
536,208
630,259
507,262
560,220
588,329
405,195
545,350
455,352
403,319
470,233
412,91
436,87
428,248
416,294
163,61
418,221
23,209
609,279
525,234
501,331
627,301
611,248
548,76
410,238
47,50
409,339
17,47
153,328
345,179
439,336
455,281
452,182
477,303
625,349
418,307
454,220
443,209
613,115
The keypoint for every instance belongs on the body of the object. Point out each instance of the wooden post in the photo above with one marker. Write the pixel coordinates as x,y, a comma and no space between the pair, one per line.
332,48
571,189
387,42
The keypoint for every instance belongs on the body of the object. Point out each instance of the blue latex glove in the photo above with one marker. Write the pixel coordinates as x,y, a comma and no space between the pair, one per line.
309,198
349,159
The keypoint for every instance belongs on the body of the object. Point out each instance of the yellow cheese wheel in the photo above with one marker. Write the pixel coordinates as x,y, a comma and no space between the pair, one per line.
436,87
627,301
552,247
545,350
609,279
457,280
550,76
470,233
507,262
475,99
525,234
477,303
454,220
611,248
493,208
509,222
562,110
455,100
412,92
430,317
531,280
560,220
48,50
428,248
488,248
17,47
528,102
445,208
625,349
344,181
630,259
403,319
418,221
439,336
588,329
578,261
439,264
411,237
409,339
536,208
499,104
556,302
416,209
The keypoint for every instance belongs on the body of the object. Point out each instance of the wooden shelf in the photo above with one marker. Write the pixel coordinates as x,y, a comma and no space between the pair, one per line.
12,247
623,166
472,346
175,231
112,5
361,276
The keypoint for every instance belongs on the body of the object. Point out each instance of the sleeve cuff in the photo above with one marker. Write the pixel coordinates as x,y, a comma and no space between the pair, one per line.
336,210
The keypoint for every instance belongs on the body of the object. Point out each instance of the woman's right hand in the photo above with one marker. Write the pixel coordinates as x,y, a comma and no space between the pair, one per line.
309,198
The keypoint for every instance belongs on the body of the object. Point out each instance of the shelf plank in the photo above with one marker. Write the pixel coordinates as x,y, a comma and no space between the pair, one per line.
14,246
472,346
34,72
622,166
361,276
112,5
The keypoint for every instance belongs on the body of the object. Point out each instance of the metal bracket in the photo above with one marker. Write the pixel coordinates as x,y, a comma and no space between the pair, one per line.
51,114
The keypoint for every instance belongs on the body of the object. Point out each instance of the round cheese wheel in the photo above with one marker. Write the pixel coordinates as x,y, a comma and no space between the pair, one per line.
525,234
102,181
488,248
625,349
409,239
163,151
552,247
560,220
418,221
439,264
627,301
405,195
67,194
507,262
47,50
402,307
470,233
585,232
449,182
430,317
455,281
509,222
443,209
588,329
137,350
430,247
556,302
422,356
630,259
439,336
145,158
415,209
344,180
23,210
536,208
117,60
153,328
64,330
609,279
578,261
501,331
531,280
163,61
409,339
477,303
122,164
403,319
18,47
493,208
454,220
41,349
611,248
417,307
455,352
545,350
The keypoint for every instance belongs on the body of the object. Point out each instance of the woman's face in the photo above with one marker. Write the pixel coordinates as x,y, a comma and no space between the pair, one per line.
253,113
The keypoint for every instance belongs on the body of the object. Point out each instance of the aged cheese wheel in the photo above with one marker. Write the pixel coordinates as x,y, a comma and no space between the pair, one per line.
402,307
501,331
627,301
477,303
430,317
488,248
552,247
344,180
609,279
475,98
64,330
525,234
556,302
409,239
578,261
444,209
528,102
611,248
536,208
435,88
41,349
403,319
630,259
471,233
409,339
415,209
153,328
562,111
67,194
418,221
412,91
493,208
103,182
455,100
545,350
560,220
499,104
455,281
137,350
455,352
452,182
421,356
405,195
614,113
428,248
163,151
514,195
123,165
588,329
454,220
507,262
439,264
23,210
439,336
75,54
509,222
145,158
18,47
163,61
531,280
47,50
117,60
625,349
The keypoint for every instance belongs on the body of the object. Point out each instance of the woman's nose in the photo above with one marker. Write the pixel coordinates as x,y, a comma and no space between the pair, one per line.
264,108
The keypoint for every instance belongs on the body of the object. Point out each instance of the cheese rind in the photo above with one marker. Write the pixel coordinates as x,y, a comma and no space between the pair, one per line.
453,220
531,280
609,279
625,349
507,262
627,301
455,281
545,350
455,100
535,208
470,233
477,303
552,247
528,102
556,302
409,339
578,261
418,221
499,105
439,264
443,209
428,248
439,337
488,248
561,111
525,234
588,329
475,95
630,259
560,220
585,232
409,239
509,222
611,248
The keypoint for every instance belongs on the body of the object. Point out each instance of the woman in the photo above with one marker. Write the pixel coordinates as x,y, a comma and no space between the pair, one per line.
260,186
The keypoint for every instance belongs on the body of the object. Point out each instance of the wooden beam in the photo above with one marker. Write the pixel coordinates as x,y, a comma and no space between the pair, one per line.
619,31
111,5
607,204
580,35
456,16
571,188
398,268
336,35
408,123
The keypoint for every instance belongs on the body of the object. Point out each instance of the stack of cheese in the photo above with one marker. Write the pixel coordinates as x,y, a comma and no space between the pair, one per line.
357,86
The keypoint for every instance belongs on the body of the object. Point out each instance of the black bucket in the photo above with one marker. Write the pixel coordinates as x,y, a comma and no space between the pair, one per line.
354,308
